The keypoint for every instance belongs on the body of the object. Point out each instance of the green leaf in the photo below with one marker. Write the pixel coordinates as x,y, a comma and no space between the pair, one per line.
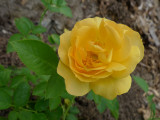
53,2
17,80
8,90
28,22
53,9
62,9
66,11
1,68
22,71
44,78
59,2
71,117
45,3
51,40
22,94
55,115
113,106
38,29
39,116
54,38
22,26
103,103
151,104
3,118
141,82
5,100
32,78
54,103
14,37
40,89
25,72
63,3
32,37
55,87
153,108
4,77
74,110
150,98
92,96
37,56
42,105
66,95
13,115
101,107
25,115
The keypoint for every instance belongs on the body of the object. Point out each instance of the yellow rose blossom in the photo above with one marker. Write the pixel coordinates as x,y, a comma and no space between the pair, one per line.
99,55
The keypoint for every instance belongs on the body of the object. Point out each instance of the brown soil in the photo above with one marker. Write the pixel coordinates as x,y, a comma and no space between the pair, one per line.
141,15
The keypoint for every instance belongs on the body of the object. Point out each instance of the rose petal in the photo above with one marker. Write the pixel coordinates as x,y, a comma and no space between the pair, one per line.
83,78
123,52
73,85
86,34
104,58
110,87
109,33
87,75
81,31
130,63
98,21
64,47
90,22
134,39
92,78
113,66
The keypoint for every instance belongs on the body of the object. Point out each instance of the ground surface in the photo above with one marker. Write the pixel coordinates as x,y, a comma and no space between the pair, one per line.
141,15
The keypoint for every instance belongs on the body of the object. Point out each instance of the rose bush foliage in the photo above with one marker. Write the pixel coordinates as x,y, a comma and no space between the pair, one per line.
99,54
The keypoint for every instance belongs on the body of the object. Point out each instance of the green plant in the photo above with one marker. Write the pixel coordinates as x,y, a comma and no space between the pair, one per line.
102,104
45,87
143,84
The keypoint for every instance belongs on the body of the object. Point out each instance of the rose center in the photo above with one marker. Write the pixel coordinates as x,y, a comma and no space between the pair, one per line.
90,59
